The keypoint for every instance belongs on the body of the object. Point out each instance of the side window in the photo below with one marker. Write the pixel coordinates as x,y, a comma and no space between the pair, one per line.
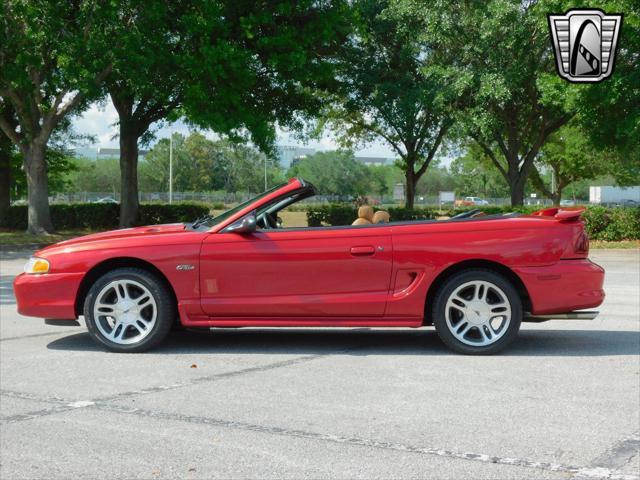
283,213
292,216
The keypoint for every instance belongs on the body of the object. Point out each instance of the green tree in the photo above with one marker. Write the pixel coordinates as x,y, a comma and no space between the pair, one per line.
260,63
570,157
59,161
437,179
6,158
203,165
516,100
51,65
393,89
232,66
335,173
475,175
147,83
101,175
609,112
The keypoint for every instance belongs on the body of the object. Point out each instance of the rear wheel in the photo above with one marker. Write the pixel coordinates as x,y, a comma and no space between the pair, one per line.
129,310
477,311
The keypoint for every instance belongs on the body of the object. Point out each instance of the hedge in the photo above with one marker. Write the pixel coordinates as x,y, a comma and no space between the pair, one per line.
613,224
102,216
602,223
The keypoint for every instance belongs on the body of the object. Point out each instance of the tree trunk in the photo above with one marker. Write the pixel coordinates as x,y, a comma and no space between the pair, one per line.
35,167
129,204
517,191
6,147
516,179
410,192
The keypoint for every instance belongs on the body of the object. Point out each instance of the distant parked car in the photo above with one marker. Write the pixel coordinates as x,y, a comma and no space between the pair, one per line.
468,201
567,203
106,200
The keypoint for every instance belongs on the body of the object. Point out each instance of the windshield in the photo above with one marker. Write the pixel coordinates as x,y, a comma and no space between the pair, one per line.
211,221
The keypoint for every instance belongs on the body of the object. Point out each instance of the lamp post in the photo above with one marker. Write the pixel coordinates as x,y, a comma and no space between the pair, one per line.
265,173
171,168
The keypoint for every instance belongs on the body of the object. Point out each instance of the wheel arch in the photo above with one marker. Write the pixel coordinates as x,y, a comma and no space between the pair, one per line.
475,263
111,264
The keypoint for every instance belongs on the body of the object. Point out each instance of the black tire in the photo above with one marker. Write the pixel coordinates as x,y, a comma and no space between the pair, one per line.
450,286
164,302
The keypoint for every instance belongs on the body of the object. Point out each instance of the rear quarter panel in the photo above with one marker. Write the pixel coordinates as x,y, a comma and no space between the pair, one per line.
427,250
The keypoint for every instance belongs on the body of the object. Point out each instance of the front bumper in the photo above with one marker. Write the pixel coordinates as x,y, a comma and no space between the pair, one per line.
50,295
566,286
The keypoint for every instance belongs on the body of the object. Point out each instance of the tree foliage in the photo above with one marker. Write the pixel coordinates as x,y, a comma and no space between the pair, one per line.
236,67
147,83
393,89
261,63
52,63
476,176
203,165
609,112
339,173
570,157
515,97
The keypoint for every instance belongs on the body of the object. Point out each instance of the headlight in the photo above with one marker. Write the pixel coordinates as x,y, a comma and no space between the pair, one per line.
36,265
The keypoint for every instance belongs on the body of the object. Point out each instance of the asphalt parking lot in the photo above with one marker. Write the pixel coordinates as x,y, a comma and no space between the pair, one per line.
564,402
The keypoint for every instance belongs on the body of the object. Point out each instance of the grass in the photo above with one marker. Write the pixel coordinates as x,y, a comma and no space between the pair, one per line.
623,244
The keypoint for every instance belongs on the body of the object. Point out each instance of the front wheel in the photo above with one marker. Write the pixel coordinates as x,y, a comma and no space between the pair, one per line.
129,310
477,312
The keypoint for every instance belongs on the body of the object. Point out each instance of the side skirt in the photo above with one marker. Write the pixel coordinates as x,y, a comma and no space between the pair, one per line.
303,322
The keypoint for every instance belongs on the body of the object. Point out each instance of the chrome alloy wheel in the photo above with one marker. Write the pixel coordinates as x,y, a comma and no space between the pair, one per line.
478,313
125,311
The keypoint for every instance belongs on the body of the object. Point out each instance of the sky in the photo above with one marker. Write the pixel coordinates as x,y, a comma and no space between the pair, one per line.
100,121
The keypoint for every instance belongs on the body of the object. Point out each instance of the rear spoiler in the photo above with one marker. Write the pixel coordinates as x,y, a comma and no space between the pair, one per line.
561,214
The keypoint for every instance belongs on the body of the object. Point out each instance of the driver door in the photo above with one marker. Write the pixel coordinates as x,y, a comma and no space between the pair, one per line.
311,272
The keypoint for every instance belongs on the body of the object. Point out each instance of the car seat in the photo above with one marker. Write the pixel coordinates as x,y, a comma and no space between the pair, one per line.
365,216
381,217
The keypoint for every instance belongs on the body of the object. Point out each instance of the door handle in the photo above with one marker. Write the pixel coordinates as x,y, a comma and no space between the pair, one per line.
367,250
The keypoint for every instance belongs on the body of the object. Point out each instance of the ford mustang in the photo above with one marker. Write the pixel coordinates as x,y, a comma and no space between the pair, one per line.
474,278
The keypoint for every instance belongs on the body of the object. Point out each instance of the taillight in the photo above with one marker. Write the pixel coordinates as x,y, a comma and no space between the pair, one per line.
578,246
582,244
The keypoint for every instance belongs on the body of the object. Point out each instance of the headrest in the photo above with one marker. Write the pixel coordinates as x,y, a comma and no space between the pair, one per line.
365,212
361,221
381,217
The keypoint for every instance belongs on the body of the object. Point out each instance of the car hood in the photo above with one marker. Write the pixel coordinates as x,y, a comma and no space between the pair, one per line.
121,233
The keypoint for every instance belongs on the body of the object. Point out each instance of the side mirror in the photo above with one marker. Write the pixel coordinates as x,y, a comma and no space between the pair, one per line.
246,224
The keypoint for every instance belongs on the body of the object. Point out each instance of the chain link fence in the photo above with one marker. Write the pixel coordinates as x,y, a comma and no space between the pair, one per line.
231,198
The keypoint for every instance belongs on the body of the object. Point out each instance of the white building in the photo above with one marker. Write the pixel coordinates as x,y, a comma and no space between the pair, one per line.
374,161
288,153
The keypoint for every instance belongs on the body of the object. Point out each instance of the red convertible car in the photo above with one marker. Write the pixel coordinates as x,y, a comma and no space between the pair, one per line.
474,278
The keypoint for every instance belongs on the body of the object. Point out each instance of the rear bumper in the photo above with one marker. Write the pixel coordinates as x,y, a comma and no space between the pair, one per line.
51,295
566,286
